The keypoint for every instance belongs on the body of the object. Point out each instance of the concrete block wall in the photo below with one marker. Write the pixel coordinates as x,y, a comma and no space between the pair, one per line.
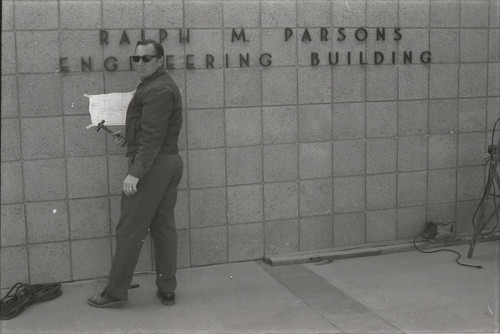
288,157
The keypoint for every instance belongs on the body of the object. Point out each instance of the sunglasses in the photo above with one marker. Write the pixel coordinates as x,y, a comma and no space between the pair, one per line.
145,59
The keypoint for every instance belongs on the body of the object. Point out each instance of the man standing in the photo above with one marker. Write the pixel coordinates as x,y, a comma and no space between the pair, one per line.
153,123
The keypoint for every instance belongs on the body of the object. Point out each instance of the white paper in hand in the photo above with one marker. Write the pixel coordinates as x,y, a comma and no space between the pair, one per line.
110,108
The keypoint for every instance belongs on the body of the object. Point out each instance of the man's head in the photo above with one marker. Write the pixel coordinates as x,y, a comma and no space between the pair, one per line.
148,57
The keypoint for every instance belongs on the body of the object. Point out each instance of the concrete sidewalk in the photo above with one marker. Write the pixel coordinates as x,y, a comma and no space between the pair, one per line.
408,292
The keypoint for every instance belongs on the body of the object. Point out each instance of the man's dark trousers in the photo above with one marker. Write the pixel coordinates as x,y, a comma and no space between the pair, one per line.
150,208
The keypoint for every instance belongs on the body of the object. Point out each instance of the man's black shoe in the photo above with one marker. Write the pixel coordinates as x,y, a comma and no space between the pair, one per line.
104,300
166,298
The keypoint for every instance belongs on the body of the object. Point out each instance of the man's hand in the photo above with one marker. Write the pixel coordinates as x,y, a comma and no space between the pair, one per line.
130,185
119,138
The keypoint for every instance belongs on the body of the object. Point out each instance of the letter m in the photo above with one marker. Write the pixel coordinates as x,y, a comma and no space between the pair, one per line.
238,36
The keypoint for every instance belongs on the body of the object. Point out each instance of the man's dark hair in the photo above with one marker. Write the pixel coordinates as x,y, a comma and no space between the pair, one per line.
158,47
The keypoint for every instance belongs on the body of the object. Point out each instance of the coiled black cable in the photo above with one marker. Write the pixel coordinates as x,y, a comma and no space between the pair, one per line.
22,295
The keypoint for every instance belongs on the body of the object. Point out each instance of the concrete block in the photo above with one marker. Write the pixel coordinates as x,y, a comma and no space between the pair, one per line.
277,14
209,246
412,153
89,218
244,165
9,96
36,15
443,115
119,82
117,14
445,14
87,177
47,221
204,89
182,210
90,258
315,197
40,95
380,225
280,124
414,13
493,112
382,13
472,114
281,236
45,180
183,249
315,122
279,86
494,14
413,118
117,171
15,259
39,50
206,41
316,233
158,14
242,13
11,182
79,46
81,142
242,87
381,119
280,162
74,86
443,81
283,51
80,14
8,52
50,262
348,120
245,204
7,16
444,45
206,168
473,80
474,13
349,14
11,146
315,160
246,242
413,82
184,180
410,222
243,126
203,14
120,53
470,183
349,229
471,148
412,188
381,155
473,45
494,45
281,200
242,47
441,186
377,92
315,85
312,48
349,194
442,151
207,207
205,128
381,191
493,82
42,137
13,225
465,212
413,42
314,13
446,211
348,157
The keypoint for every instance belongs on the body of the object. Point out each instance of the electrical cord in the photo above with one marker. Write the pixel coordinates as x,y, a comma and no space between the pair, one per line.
444,250
21,295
